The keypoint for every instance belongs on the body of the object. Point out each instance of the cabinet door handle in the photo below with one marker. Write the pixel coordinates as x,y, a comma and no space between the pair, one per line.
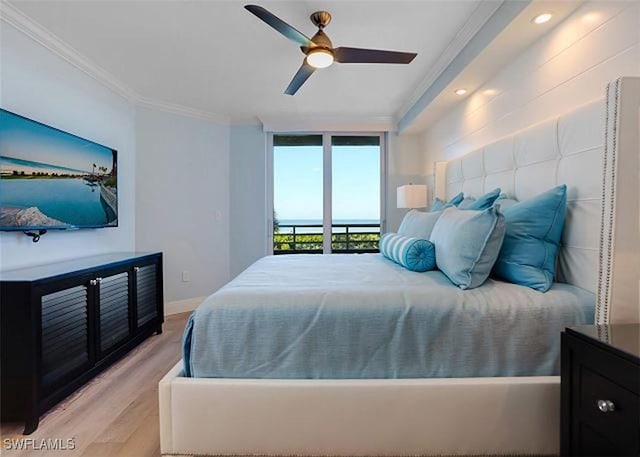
606,406
99,280
93,282
136,269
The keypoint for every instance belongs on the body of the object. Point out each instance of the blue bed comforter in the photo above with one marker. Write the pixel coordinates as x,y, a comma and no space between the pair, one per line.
363,316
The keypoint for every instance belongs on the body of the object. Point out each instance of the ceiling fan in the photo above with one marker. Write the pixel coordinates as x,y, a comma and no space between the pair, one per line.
319,50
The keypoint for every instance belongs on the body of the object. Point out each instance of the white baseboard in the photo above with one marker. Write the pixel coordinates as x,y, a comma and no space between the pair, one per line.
182,306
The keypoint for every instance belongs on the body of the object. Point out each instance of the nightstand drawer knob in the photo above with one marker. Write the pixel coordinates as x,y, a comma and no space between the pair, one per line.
606,406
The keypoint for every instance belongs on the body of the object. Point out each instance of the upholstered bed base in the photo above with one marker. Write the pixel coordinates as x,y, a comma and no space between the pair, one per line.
466,416
471,416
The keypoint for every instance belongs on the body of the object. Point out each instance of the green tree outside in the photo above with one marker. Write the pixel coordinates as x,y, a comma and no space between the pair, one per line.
313,242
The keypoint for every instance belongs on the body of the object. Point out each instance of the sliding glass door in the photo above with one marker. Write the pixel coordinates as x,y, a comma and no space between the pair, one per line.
355,193
297,194
326,191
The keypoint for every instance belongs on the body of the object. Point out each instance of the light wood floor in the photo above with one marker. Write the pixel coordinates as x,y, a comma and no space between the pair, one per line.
116,414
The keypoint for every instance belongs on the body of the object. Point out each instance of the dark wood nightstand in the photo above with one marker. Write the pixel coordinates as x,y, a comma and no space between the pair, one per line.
600,391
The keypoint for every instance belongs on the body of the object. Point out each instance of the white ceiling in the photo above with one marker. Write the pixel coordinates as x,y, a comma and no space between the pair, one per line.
215,57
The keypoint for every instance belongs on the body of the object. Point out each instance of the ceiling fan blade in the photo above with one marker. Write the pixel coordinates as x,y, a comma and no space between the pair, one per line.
358,55
299,78
281,26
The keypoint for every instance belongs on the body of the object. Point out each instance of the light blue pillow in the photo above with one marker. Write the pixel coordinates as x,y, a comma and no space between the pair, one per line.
467,244
414,254
418,224
484,202
439,205
466,202
532,239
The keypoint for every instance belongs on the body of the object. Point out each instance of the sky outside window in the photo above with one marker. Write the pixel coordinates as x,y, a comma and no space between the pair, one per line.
297,183
298,193
356,183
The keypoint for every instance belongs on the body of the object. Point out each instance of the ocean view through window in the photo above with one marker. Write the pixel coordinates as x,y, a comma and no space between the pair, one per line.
326,188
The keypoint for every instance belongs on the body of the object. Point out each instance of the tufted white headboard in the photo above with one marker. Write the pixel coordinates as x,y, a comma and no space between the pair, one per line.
565,150
595,150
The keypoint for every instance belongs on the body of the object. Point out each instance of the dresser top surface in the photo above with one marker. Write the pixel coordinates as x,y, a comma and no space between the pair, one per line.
624,337
63,267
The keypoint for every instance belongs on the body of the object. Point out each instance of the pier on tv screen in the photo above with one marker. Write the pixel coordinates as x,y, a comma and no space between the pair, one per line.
50,179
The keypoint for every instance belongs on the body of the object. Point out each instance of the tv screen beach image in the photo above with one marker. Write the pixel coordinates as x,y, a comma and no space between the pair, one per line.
52,179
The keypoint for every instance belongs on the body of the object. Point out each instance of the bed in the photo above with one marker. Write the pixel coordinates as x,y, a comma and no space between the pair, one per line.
363,316
493,399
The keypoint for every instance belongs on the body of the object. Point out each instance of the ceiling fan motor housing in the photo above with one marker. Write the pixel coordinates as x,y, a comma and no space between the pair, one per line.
321,40
321,19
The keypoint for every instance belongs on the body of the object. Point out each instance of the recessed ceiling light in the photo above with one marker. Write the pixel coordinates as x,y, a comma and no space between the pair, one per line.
461,91
542,18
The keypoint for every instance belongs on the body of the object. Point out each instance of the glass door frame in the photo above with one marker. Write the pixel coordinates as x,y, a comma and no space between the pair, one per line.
326,183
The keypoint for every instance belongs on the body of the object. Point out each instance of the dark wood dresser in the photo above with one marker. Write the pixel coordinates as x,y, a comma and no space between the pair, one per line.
63,323
600,412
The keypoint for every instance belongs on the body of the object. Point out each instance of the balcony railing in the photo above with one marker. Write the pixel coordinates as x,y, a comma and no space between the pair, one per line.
307,238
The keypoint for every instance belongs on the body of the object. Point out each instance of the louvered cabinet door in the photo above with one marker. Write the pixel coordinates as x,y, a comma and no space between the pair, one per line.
65,333
113,312
146,294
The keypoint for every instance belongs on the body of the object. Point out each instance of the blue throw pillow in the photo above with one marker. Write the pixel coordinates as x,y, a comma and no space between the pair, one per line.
414,254
418,224
532,239
467,244
457,199
484,202
439,205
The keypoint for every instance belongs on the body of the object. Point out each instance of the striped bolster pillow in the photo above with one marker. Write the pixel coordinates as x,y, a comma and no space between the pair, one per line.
414,254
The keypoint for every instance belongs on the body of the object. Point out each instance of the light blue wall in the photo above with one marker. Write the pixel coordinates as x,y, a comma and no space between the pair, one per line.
182,199
248,221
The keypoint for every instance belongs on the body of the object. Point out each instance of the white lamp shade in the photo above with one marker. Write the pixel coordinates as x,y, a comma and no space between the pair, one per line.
412,196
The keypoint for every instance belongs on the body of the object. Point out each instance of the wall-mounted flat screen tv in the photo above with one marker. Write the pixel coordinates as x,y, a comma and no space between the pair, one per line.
50,179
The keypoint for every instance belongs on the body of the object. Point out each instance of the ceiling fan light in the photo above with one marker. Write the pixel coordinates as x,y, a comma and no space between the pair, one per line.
320,58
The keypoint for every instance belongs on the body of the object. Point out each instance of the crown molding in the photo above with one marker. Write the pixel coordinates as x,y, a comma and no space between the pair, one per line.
37,32
23,23
181,110
481,14
338,123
